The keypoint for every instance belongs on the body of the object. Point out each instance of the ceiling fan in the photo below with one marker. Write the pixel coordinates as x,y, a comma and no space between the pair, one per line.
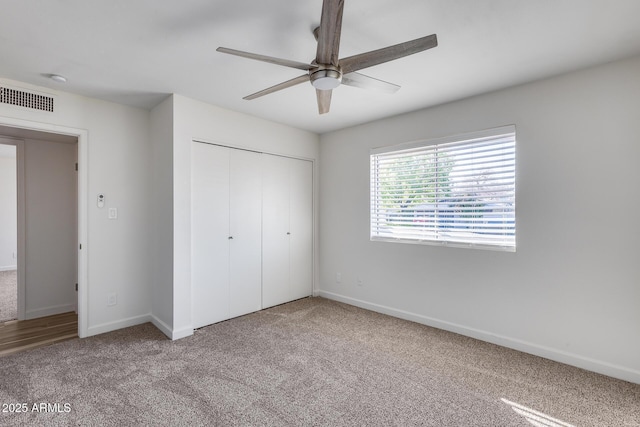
327,71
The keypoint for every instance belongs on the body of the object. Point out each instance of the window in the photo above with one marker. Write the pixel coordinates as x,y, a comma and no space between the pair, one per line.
457,191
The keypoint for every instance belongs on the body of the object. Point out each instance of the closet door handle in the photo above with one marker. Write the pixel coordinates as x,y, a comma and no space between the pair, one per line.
230,237
288,233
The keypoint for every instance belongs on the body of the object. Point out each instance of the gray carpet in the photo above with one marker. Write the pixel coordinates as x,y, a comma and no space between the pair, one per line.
8,295
306,363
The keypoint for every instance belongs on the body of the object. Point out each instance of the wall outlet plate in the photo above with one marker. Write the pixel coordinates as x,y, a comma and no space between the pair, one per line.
112,299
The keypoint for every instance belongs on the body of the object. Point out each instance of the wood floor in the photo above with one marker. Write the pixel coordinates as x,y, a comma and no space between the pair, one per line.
20,335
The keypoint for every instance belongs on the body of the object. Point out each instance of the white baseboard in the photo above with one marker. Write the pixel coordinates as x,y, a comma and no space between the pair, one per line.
605,368
164,328
118,324
182,333
9,268
50,311
169,332
138,320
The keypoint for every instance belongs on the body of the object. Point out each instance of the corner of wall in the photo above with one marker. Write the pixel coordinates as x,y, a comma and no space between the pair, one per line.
161,203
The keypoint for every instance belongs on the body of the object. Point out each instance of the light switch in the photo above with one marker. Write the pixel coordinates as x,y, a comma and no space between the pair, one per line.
113,213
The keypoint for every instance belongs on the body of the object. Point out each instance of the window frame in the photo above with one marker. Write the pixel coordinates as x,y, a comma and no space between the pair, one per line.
469,137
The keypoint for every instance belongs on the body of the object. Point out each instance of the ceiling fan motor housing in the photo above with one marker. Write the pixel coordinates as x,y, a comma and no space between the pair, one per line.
326,77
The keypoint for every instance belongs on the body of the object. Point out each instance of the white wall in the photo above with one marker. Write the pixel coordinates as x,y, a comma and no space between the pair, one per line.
51,227
119,165
571,290
8,213
140,161
200,121
162,208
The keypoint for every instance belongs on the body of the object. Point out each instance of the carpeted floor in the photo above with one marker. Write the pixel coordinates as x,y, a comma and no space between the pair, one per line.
8,295
310,362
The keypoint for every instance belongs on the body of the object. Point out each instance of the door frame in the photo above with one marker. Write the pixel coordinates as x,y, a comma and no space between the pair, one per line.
83,174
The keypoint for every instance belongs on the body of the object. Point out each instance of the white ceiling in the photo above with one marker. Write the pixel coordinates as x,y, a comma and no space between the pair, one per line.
137,52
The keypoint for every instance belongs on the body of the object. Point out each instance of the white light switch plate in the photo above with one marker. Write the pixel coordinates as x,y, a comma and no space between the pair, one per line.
113,213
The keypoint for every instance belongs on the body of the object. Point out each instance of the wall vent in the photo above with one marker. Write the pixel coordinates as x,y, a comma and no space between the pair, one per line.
21,98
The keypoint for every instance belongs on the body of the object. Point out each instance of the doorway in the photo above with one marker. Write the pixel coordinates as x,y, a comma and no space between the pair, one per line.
45,232
75,140
8,233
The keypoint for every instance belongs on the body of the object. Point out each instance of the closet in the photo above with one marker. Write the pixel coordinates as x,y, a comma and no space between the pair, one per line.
251,231
287,234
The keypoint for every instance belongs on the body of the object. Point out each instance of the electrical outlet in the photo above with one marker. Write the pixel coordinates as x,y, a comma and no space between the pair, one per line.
360,282
338,278
112,299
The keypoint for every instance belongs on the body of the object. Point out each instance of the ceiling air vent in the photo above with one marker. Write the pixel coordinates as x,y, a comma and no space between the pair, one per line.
21,98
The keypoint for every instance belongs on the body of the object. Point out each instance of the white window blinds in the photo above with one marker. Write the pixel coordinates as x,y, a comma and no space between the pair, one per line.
456,191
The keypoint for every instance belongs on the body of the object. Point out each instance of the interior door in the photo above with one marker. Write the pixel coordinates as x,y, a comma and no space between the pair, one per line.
245,249
301,228
275,231
209,233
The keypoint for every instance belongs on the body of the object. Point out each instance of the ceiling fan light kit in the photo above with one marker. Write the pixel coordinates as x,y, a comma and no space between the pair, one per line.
326,78
327,72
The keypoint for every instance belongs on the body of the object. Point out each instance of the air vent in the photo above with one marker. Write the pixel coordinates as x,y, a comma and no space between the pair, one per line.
21,98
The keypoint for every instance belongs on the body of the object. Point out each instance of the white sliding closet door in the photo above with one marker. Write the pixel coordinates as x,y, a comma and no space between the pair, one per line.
251,231
275,237
287,230
226,233
245,228
210,233
301,226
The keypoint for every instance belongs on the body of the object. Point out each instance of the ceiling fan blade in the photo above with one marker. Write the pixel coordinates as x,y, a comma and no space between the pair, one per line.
386,54
303,78
366,82
329,32
324,100
269,59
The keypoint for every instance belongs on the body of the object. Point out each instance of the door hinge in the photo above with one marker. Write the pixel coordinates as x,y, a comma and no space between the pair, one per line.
76,287
80,246
76,167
